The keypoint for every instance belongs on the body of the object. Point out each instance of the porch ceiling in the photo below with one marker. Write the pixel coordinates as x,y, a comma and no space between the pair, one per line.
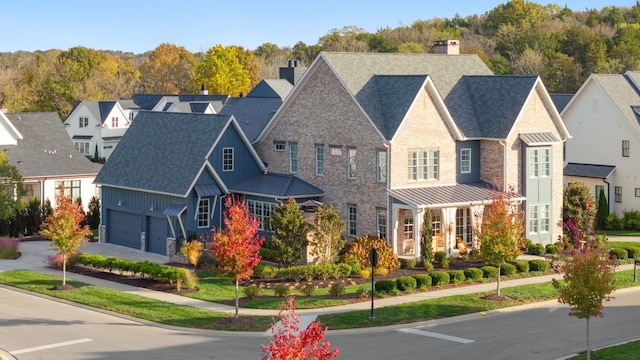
457,195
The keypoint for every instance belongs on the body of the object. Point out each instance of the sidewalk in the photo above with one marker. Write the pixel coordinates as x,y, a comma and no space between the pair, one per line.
35,253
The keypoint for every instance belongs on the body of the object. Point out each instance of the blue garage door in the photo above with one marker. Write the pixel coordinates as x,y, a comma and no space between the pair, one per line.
124,229
157,235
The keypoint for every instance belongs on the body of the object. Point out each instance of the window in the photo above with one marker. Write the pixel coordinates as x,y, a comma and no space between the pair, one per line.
83,121
279,145
83,148
637,192
465,160
382,223
203,213
131,114
293,157
351,163
381,166
319,159
408,227
597,197
625,148
262,211
533,219
71,188
618,191
227,159
335,150
423,165
352,220
114,121
539,162
545,216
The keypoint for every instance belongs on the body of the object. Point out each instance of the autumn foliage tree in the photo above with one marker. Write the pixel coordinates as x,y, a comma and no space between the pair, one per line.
589,279
192,250
236,246
500,234
327,240
291,343
63,228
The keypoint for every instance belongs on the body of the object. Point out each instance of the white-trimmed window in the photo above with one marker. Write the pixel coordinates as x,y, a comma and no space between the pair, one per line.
465,160
408,227
261,210
335,150
539,162
382,223
319,159
293,157
618,192
534,218
279,145
545,217
227,159
114,122
423,165
203,213
637,192
352,220
625,148
381,166
597,194
83,121
83,148
351,163
71,188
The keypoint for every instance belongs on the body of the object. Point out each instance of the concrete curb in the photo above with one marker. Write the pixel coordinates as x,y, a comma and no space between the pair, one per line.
5,355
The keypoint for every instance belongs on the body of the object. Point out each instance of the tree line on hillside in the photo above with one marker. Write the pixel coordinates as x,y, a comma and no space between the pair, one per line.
518,37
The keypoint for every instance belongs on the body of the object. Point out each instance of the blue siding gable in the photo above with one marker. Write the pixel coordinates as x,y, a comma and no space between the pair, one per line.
245,164
474,175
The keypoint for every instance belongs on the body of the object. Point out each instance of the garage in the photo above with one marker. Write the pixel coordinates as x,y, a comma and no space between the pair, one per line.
157,235
124,229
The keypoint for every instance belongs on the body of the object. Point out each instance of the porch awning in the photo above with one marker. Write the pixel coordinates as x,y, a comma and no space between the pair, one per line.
449,196
538,138
174,210
588,170
207,190
82,137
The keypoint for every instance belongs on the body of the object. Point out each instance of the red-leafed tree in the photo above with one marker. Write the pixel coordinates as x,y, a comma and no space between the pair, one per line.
289,343
236,246
63,228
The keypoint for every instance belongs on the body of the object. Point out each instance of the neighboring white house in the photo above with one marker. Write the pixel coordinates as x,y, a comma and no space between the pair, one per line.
38,146
97,125
604,120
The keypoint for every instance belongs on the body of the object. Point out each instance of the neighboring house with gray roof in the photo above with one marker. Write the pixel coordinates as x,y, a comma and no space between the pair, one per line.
168,179
604,119
98,126
388,135
38,146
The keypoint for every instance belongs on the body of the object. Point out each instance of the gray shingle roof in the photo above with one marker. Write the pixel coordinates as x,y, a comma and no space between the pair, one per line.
105,108
463,194
280,186
162,151
46,149
622,93
272,88
588,170
252,113
560,100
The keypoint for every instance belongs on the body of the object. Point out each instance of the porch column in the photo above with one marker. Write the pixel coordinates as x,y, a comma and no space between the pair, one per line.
476,222
449,229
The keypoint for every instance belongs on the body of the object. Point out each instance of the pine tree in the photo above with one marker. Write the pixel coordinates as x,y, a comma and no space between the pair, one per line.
603,210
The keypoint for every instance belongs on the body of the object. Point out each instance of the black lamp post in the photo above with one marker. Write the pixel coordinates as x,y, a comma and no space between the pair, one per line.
373,256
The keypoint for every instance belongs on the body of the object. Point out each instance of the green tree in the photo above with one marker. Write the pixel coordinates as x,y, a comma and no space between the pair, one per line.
222,71
589,279
168,70
327,240
518,13
10,180
500,234
63,228
288,230
93,217
603,210
426,236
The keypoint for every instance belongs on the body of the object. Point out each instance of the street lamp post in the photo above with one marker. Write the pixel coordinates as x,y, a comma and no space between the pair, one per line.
373,256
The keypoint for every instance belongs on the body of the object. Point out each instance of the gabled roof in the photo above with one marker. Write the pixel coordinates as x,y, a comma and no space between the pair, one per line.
149,101
252,113
588,170
463,194
279,88
9,135
170,150
99,109
279,186
45,149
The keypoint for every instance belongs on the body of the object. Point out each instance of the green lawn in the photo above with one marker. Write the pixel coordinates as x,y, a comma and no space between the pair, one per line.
622,244
628,351
619,232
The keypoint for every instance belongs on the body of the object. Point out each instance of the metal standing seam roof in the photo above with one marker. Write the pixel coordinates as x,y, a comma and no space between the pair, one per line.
174,210
82,137
280,186
588,170
207,190
464,194
538,138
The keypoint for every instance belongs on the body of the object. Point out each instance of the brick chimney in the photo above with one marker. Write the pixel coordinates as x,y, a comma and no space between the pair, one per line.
203,90
447,47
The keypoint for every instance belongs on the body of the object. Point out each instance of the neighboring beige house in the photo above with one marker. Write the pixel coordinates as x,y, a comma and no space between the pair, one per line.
604,120
388,135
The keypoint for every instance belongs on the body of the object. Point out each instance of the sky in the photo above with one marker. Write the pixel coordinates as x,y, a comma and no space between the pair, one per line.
141,25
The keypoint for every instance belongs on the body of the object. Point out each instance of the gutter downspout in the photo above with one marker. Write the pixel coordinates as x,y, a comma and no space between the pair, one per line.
608,195
504,164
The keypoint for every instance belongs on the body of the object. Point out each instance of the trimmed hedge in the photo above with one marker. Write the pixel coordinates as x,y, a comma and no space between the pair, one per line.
619,253
406,283
457,276
522,266
633,252
440,278
551,249
385,286
507,269
489,272
422,280
536,249
539,265
440,256
473,273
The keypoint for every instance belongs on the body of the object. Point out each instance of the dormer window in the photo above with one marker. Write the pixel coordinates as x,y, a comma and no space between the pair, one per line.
114,122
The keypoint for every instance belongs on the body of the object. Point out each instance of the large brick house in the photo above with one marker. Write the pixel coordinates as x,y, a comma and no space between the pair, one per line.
388,135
